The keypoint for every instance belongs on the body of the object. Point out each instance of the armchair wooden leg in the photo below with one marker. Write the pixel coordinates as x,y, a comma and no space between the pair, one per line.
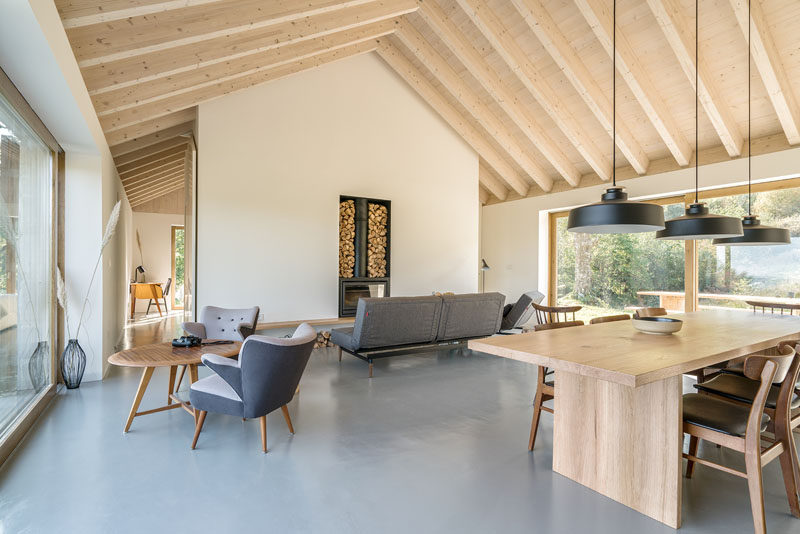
263,433
693,441
200,420
285,411
755,485
537,412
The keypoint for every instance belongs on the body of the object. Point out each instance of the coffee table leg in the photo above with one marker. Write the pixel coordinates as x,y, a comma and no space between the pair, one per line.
146,374
173,370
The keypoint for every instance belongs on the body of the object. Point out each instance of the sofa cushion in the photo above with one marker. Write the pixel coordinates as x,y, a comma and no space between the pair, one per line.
392,321
471,315
343,337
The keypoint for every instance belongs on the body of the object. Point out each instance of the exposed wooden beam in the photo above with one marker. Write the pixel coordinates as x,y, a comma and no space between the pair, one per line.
435,63
406,70
472,59
152,90
163,164
153,110
504,43
565,56
150,150
108,41
598,16
180,131
156,193
180,59
145,188
681,40
770,67
162,124
492,184
154,178
76,13
483,195
160,156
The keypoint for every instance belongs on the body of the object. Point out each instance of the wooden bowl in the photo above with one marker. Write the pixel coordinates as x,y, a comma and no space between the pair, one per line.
662,326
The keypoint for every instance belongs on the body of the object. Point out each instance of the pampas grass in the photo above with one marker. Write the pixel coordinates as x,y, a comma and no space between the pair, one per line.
61,295
111,225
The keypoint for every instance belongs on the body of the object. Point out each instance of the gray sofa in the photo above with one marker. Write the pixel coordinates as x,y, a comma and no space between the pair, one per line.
402,325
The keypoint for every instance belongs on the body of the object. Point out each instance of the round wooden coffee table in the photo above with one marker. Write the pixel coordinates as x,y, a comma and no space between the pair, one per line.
148,357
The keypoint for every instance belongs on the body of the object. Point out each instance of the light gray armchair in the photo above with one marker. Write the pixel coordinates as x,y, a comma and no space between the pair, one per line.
264,379
517,314
224,323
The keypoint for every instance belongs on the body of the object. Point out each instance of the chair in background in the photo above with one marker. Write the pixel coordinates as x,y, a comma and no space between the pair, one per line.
221,323
610,318
649,312
739,427
517,314
161,293
264,379
545,385
554,314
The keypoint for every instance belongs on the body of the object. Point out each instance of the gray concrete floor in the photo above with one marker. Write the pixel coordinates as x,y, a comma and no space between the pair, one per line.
433,443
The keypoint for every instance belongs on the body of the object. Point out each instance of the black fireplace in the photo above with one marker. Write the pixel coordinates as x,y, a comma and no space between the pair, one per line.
352,289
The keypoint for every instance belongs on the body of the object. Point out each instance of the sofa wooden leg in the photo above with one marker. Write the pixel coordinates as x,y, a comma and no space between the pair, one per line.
340,354
370,368
264,433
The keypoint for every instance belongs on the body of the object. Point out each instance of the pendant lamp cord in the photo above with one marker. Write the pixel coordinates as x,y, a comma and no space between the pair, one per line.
749,137
696,101
614,99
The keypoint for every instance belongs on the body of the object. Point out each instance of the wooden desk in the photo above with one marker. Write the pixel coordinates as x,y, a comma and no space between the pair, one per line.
146,291
618,402
149,357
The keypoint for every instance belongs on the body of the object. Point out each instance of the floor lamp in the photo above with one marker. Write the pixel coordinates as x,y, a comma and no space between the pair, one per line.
484,267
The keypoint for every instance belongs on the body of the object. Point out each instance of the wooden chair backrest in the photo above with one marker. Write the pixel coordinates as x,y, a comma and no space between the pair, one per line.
610,318
554,314
650,312
783,358
553,326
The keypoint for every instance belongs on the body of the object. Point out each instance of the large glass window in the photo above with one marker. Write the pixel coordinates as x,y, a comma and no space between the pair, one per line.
729,276
613,273
26,265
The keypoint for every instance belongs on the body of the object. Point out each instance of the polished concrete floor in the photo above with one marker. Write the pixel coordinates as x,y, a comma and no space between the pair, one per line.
433,443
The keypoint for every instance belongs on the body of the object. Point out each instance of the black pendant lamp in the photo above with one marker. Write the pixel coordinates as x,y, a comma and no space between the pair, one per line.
697,222
615,214
755,234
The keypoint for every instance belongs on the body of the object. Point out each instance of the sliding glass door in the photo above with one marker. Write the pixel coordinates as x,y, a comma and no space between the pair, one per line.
26,266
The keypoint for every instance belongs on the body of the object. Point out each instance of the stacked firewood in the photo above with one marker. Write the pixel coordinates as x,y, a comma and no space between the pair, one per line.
376,240
323,340
347,234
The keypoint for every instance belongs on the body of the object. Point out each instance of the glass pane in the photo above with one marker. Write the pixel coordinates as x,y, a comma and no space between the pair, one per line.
729,276
25,265
178,267
614,273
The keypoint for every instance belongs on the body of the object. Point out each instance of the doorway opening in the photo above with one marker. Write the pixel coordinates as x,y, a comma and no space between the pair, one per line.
178,266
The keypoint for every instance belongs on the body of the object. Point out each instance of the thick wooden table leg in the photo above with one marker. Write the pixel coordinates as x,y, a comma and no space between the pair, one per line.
622,442
146,374
173,370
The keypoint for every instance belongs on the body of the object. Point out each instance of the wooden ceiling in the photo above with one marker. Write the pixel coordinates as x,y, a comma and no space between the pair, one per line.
526,83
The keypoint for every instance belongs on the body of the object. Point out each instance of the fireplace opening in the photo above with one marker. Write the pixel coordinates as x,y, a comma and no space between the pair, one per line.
352,289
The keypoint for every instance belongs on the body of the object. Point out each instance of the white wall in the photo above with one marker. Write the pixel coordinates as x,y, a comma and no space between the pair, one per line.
273,161
514,235
155,231
48,77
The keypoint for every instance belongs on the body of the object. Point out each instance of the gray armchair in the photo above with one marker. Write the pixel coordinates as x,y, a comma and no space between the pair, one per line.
224,323
516,315
264,379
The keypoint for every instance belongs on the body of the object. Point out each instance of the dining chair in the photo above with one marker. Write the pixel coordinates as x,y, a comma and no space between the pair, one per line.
263,379
161,293
649,312
610,318
554,314
545,385
739,427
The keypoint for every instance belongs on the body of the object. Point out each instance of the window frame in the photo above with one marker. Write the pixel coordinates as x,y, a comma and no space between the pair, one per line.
691,266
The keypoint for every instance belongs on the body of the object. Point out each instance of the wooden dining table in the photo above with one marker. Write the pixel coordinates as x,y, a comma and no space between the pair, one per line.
618,396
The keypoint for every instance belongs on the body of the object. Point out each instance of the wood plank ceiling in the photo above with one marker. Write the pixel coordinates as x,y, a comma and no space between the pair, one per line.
526,83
